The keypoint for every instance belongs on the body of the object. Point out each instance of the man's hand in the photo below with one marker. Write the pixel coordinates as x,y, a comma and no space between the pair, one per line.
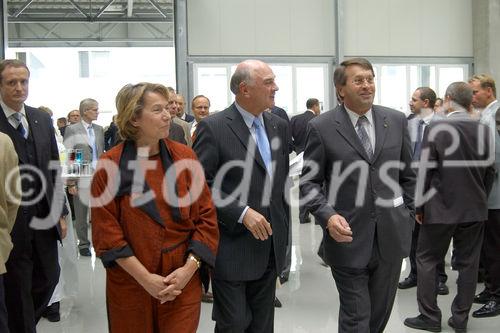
64,227
419,218
257,224
339,229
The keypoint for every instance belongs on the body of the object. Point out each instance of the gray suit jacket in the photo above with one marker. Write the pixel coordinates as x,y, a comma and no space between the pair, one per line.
224,138
76,137
333,146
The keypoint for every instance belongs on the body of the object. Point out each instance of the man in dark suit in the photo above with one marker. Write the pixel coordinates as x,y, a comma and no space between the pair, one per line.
422,105
358,176
457,166
298,126
89,137
181,105
244,152
32,268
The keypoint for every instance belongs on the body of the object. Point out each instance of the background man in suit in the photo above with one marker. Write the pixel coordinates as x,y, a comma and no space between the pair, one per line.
366,211
457,209
250,199
422,105
181,104
74,117
484,99
9,203
173,108
88,137
32,268
200,106
298,126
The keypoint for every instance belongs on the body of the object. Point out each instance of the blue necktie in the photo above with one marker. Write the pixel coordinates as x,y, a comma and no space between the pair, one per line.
20,128
418,144
363,136
93,145
263,144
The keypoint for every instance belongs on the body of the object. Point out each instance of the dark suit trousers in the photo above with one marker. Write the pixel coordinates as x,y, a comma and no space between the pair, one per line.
433,243
366,294
32,275
4,327
442,277
491,253
245,306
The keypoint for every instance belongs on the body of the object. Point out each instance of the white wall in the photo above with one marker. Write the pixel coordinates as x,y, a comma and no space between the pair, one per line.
423,28
261,27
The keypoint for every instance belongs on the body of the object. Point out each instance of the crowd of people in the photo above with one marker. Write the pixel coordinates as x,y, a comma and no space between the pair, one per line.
177,201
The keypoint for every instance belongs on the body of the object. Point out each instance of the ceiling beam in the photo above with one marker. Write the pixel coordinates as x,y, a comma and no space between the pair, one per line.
23,7
168,19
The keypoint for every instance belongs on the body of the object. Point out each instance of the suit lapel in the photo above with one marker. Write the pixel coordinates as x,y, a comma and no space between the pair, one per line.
381,128
272,132
240,129
346,129
6,128
36,133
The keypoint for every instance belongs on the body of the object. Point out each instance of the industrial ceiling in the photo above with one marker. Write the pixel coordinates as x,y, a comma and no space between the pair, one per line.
87,23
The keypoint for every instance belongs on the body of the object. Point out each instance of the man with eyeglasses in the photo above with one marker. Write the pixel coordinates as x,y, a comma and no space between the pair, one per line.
200,106
357,172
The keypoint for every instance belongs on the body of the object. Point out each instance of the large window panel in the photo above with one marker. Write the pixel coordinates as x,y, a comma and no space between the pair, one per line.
213,83
393,87
310,84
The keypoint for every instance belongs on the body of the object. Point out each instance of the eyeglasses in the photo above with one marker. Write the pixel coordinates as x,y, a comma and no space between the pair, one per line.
359,81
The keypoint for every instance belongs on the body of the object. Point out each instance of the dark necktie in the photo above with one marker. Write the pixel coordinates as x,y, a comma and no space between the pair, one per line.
20,128
418,144
363,136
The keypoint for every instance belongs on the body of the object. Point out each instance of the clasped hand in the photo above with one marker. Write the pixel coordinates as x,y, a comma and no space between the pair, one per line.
167,288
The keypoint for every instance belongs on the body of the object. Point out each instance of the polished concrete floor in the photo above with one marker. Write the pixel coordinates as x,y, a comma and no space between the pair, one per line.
310,299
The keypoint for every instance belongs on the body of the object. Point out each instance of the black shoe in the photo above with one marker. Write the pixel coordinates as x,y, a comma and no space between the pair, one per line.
85,252
409,282
483,297
457,329
443,288
283,279
277,303
422,323
52,313
490,309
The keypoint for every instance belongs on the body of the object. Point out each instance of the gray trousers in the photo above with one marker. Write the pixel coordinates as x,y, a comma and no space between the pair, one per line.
81,223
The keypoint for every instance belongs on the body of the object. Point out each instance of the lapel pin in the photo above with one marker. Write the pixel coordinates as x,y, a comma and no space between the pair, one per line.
385,125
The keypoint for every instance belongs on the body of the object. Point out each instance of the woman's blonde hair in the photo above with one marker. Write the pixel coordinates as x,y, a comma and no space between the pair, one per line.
129,104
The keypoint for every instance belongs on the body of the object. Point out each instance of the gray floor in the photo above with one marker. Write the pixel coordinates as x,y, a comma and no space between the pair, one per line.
310,299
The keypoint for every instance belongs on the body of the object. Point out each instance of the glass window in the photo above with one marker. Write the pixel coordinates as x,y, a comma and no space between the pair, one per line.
393,89
310,84
449,75
284,80
213,83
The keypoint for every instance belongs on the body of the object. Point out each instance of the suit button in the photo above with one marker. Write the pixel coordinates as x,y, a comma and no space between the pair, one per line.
372,169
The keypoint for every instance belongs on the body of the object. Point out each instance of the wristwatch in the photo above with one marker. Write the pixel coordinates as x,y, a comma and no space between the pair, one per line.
196,260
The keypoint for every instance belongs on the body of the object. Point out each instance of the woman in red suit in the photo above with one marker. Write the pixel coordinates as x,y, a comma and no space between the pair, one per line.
155,231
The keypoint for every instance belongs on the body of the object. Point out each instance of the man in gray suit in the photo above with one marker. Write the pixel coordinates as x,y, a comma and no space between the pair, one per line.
88,137
485,99
360,154
458,174
422,105
244,152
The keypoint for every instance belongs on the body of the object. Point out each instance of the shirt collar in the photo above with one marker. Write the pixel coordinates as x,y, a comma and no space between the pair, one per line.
85,124
248,118
428,118
354,116
9,112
